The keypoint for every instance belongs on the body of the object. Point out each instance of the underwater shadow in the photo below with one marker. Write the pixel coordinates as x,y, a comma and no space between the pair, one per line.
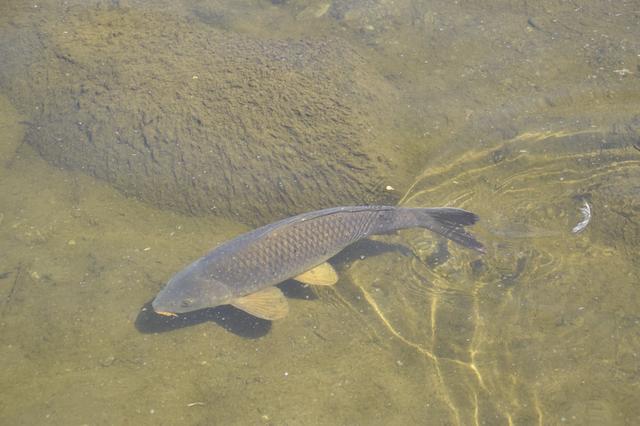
295,290
231,319
368,248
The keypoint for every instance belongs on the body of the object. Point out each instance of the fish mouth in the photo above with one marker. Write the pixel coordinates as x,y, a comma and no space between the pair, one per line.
166,314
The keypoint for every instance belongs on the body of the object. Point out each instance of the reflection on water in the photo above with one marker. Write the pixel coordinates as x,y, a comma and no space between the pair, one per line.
520,113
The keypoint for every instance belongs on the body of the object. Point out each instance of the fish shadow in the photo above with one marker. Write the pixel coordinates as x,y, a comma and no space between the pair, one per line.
296,290
368,248
231,319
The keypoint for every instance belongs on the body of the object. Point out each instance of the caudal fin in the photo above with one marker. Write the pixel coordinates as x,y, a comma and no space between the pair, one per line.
450,223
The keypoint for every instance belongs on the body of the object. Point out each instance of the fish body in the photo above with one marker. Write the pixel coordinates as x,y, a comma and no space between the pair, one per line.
244,270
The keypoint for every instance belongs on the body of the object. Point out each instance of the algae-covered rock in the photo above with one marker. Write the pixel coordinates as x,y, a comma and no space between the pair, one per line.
187,117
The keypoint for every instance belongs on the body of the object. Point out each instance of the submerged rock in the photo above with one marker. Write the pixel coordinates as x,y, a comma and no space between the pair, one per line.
185,116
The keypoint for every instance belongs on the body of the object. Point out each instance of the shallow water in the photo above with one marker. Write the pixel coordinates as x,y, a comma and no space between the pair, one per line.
521,113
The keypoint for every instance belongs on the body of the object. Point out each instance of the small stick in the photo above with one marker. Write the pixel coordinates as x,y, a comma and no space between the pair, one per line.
19,271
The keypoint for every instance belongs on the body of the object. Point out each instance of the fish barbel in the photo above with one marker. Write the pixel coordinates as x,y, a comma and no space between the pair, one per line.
243,272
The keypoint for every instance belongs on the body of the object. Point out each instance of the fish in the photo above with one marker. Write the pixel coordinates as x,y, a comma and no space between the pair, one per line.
243,272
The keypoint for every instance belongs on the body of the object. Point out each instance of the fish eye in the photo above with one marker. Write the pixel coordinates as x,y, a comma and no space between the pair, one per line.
186,302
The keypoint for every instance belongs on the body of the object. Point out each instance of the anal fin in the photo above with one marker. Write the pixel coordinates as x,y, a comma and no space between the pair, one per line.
323,274
268,303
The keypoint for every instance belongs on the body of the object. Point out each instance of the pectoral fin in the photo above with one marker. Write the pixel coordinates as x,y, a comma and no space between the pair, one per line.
323,274
269,304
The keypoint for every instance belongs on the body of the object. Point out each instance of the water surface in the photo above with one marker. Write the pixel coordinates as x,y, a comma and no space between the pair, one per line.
523,113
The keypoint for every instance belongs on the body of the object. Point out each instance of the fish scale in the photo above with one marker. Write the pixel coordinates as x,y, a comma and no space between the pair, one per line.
276,257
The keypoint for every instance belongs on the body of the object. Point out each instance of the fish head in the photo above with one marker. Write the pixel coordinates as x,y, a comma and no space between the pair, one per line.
189,290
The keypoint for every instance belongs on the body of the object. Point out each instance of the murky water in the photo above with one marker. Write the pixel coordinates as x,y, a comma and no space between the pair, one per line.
527,114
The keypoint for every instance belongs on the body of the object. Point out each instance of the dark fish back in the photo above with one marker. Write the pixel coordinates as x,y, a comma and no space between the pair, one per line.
284,249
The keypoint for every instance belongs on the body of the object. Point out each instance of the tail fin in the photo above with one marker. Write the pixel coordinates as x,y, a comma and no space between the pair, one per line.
450,223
